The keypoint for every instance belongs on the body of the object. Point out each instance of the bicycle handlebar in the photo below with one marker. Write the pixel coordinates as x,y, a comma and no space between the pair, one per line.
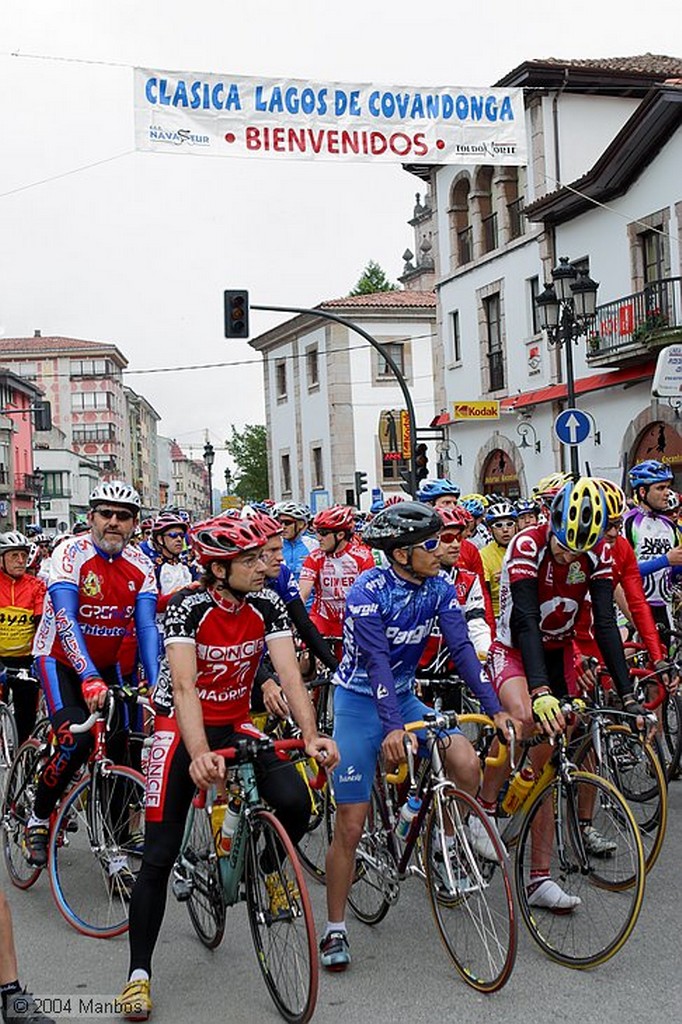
246,748
448,720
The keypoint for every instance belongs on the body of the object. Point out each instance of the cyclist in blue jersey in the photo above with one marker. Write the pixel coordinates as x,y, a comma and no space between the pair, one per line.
390,614
294,518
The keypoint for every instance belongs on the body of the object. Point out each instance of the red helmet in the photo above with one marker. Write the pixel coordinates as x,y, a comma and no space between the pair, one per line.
455,517
165,521
224,537
393,499
338,517
268,524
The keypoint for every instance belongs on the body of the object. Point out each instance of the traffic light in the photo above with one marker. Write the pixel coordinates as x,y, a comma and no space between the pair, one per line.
421,459
237,314
360,486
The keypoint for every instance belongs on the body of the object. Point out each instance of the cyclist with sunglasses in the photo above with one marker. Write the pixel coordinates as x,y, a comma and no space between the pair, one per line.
390,613
166,550
99,583
297,543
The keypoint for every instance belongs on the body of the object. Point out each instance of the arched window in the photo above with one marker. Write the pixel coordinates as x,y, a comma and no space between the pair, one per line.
461,234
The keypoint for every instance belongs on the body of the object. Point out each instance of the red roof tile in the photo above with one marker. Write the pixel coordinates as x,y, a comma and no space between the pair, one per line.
386,300
43,346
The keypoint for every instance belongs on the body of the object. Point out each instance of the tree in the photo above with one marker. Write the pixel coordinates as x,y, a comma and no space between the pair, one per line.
373,280
248,448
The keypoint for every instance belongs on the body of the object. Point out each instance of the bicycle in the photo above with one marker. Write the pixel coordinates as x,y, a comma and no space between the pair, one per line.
610,886
471,900
261,869
8,737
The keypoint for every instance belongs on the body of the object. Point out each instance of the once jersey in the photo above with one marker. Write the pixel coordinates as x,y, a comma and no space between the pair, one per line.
229,641
332,577
106,588
21,605
651,535
561,588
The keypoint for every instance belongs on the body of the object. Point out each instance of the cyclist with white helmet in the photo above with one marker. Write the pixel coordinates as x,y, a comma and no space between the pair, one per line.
500,519
98,584
296,541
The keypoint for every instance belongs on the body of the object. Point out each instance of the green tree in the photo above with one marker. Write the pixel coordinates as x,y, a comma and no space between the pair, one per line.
373,279
248,448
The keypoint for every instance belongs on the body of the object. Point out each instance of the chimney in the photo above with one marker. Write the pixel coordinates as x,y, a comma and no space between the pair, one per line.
36,333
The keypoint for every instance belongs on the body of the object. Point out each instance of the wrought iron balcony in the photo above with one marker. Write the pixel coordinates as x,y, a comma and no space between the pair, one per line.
632,328
27,484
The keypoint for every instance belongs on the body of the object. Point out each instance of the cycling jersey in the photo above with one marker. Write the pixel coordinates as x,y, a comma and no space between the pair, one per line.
296,551
91,598
332,576
492,556
387,625
436,660
21,605
171,576
286,588
229,640
652,535
481,536
470,558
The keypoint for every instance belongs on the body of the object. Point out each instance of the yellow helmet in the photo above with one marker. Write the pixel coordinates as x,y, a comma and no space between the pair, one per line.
473,497
549,486
579,514
616,502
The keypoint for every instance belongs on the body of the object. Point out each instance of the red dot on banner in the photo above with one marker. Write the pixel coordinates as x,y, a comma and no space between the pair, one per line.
440,144
230,137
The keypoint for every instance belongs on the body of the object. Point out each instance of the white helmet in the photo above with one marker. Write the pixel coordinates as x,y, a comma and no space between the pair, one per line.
117,492
14,541
292,509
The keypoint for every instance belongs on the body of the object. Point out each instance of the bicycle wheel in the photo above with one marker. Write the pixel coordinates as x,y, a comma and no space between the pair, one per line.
672,734
325,709
281,918
375,883
312,847
8,744
16,810
95,850
205,905
471,898
636,772
610,888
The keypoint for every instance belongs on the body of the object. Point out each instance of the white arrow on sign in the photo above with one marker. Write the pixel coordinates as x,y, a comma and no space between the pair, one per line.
573,426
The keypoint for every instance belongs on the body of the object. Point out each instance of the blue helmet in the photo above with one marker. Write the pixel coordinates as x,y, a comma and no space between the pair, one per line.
473,505
432,489
377,505
525,505
651,471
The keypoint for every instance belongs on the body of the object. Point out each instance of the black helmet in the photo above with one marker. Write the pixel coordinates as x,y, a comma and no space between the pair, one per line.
401,525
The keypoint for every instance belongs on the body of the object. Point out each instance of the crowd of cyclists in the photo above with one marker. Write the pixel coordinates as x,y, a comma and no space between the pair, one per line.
220,620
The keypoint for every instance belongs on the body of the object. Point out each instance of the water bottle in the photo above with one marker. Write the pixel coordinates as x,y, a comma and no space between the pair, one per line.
408,812
518,790
217,817
230,821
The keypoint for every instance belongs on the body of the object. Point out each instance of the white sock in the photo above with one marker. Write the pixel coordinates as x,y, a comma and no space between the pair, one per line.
37,821
335,926
139,975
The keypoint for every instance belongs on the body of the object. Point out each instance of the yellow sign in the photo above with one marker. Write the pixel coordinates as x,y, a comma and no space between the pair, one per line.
488,410
230,501
405,438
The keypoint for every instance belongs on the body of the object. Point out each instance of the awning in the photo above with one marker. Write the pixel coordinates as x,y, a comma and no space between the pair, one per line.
558,392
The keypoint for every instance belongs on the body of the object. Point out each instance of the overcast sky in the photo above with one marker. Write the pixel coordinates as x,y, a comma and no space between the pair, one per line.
138,249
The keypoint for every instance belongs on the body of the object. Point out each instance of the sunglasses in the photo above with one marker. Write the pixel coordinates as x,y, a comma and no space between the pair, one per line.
615,524
450,536
324,533
174,534
430,544
122,515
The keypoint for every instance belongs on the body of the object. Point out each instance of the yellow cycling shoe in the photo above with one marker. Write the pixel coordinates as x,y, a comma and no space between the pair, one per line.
135,1001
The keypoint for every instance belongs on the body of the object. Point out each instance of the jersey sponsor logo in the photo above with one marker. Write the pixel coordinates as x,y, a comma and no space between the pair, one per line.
558,615
222,696
236,652
106,611
576,574
351,774
158,754
409,636
363,609
92,584
67,636
382,692
525,545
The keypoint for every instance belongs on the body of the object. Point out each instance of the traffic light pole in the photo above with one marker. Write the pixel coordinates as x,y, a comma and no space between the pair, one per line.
402,383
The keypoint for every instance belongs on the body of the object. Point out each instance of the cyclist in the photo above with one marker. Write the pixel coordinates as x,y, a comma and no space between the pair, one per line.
527,513
390,614
654,537
478,533
332,569
166,550
294,517
500,519
21,605
215,637
548,573
98,584
546,490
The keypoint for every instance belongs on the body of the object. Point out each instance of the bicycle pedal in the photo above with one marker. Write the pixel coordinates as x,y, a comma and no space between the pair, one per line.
182,888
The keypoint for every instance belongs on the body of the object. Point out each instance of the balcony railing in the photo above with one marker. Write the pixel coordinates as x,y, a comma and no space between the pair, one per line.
633,322
490,235
517,222
465,245
27,483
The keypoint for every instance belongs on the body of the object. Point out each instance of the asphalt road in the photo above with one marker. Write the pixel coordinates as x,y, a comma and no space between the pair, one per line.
399,972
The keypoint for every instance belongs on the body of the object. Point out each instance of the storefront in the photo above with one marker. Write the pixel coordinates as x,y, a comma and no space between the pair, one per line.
500,476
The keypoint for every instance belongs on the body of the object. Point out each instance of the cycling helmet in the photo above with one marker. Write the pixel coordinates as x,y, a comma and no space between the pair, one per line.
525,506
673,501
377,506
224,537
165,521
293,510
118,493
80,528
473,505
394,499
549,486
32,530
34,557
455,517
402,525
579,514
616,502
14,541
500,510
651,471
338,517
268,524
430,490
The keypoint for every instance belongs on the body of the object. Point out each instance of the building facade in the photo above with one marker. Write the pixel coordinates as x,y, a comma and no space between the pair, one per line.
190,484
19,483
66,481
144,467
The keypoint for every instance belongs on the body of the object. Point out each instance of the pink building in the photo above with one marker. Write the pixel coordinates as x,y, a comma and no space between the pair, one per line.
19,484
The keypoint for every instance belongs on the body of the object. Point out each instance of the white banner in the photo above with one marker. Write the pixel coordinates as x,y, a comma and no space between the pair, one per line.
225,115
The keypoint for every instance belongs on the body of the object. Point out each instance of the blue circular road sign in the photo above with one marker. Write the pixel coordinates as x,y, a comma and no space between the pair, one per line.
572,426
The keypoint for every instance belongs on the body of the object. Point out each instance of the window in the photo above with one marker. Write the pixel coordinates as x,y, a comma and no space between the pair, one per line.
105,462
391,468
312,368
56,484
318,468
517,222
285,464
82,401
533,292
281,379
100,432
490,235
92,368
455,339
491,307
6,397
27,370
396,351
653,256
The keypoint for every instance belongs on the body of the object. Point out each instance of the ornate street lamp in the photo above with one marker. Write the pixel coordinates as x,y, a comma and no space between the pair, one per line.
209,459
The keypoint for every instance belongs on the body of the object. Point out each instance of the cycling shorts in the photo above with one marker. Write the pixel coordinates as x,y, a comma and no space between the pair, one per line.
506,663
359,734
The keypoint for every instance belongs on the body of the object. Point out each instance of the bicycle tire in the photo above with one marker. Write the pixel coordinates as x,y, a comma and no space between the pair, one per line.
284,940
610,889
477,922
313,846
672,734
636,772
206,906
373,863
99,830
17,807
9,742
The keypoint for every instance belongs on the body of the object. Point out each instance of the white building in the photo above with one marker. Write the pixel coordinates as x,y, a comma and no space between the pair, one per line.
611,130
66,482
326,388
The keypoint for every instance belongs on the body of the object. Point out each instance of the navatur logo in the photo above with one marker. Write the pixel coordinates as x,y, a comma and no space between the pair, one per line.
177,137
